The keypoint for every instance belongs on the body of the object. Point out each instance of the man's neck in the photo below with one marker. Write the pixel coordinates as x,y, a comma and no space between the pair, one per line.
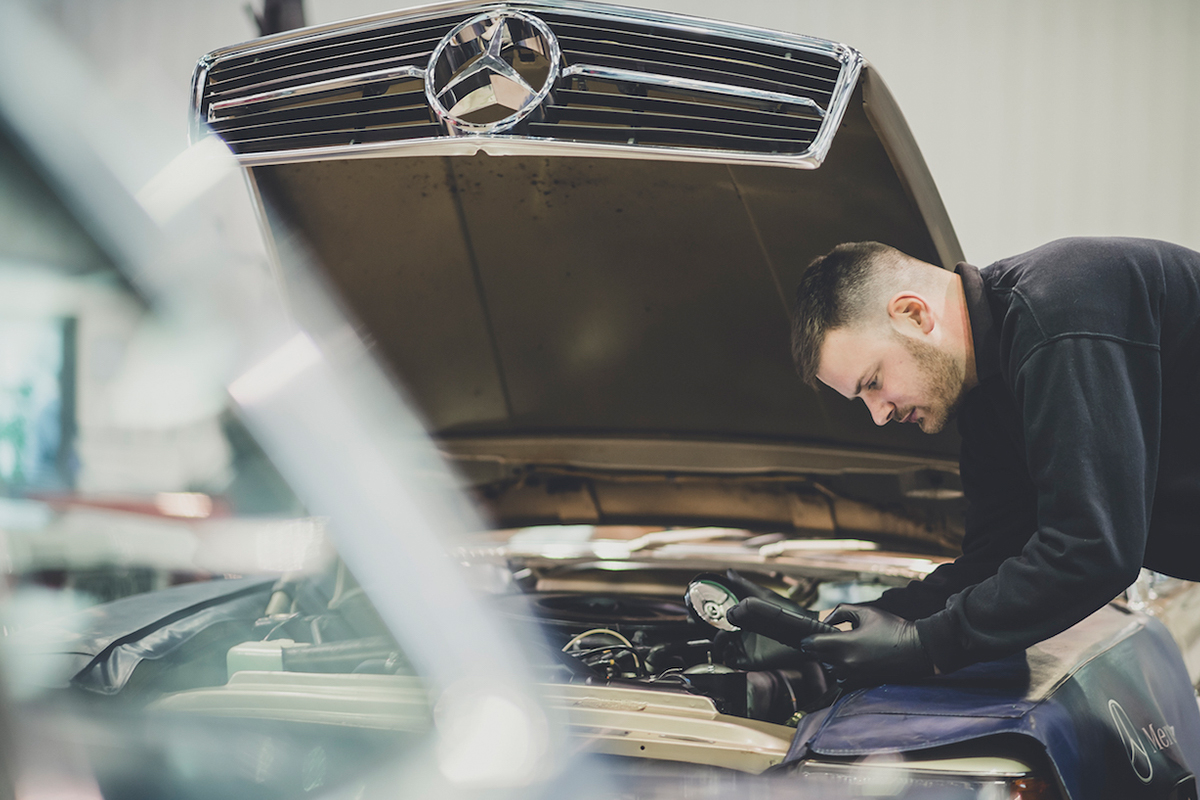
961,316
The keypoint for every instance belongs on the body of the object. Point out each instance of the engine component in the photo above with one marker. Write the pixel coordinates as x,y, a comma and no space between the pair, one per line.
627,613
710,602
727,687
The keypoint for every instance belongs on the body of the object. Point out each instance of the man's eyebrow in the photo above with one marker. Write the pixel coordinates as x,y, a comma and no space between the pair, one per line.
858,386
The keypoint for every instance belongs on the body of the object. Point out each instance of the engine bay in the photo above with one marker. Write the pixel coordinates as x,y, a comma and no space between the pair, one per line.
586,621
306,661
653,642
591,638
597,609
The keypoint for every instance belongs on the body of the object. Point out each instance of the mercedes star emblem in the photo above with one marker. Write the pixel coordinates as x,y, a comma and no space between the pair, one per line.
491,72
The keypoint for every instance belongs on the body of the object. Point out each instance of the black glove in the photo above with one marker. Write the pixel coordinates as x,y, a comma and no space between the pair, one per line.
880,648
748,650
744,588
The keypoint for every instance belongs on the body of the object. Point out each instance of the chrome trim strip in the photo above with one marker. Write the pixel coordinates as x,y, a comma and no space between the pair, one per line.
199,78
689,84
523,145
852,65
679,22
332,84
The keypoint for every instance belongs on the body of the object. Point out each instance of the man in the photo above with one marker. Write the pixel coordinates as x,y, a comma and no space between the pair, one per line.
1074,370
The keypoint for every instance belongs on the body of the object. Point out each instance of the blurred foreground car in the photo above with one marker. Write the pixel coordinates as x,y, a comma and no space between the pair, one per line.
570,231
189,469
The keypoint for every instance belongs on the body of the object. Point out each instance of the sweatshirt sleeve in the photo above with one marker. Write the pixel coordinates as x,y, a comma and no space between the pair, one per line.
1001,509
1091,406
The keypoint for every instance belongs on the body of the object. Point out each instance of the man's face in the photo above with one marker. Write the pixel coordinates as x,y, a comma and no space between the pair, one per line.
899,377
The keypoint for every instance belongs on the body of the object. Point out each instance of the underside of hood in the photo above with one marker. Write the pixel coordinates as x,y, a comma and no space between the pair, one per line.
607,310
600,297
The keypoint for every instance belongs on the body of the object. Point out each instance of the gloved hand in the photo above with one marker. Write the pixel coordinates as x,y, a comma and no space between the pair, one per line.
744,588
748,650
880,648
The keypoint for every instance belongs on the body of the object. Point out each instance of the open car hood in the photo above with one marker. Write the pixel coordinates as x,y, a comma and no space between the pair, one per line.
605,307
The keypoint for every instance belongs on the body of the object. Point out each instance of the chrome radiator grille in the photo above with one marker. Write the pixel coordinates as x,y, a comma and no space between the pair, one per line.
620,78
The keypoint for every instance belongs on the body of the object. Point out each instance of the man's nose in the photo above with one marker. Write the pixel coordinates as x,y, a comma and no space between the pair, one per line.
881,411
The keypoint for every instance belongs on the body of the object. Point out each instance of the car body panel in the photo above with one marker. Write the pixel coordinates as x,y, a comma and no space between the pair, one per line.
622,721
1106,734
101,647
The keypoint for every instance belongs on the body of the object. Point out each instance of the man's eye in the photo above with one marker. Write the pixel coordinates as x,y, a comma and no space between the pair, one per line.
873,384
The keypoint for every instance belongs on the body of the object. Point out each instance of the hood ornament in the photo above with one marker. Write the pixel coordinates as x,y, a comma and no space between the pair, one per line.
491,72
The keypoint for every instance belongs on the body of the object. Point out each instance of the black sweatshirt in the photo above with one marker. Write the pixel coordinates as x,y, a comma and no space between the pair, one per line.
1080,452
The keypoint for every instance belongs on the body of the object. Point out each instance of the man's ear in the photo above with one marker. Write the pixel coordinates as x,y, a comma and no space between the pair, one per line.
908,309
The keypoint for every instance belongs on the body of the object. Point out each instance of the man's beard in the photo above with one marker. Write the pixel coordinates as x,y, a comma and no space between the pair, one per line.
944,381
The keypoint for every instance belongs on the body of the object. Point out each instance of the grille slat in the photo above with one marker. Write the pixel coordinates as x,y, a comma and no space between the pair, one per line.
389,134
675,40
807,73
655,82
331,108
315,71
296,55
698,73
660,137
637,121
699,67
589,99
348,124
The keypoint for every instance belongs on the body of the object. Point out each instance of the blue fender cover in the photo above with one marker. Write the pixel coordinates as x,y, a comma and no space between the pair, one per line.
100,647
1109,701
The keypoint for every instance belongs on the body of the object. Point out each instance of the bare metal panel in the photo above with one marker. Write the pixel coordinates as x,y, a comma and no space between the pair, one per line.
389,231
624,297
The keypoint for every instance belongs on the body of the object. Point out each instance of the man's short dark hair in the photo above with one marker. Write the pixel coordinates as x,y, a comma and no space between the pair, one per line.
834,292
